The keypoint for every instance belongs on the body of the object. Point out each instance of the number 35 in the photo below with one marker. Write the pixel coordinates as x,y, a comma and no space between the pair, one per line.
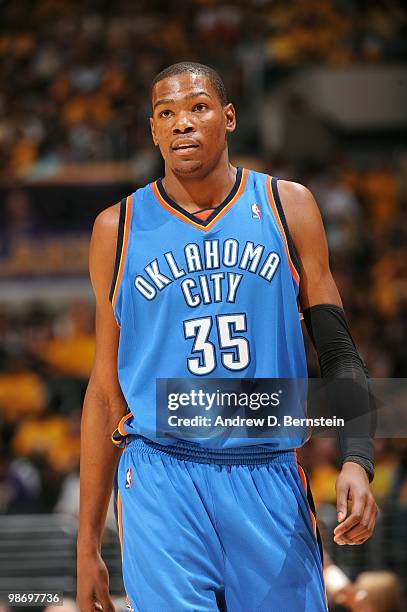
234,350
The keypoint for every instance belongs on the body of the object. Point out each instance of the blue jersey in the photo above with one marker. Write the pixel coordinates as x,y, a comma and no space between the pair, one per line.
205,297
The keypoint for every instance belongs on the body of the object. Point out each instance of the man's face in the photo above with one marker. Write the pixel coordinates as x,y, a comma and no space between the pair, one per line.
189,123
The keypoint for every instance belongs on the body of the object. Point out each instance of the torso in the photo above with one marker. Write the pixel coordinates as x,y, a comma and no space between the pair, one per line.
212,296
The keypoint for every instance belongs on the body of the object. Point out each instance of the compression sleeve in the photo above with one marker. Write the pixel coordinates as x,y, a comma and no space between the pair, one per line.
339,359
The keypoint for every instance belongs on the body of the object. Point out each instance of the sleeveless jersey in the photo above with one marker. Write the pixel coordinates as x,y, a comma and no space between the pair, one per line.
214,297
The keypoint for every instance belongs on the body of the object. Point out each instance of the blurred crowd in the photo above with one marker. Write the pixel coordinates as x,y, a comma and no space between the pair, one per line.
75,76
45,358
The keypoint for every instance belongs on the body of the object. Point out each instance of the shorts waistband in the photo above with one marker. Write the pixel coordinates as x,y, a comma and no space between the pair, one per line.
187,451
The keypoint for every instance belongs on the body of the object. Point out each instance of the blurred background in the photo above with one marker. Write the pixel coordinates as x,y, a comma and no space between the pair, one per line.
320,89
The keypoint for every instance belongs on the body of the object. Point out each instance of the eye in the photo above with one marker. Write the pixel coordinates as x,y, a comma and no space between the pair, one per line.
165,114
200,106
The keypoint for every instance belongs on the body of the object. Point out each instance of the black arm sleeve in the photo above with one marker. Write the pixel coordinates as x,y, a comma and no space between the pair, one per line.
339,359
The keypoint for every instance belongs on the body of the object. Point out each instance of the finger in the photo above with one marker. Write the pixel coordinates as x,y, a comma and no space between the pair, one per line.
342,493
343,540
85,607
108,605
359,541
106,602
369,532
372,522
369,518
351,521
357,533
358,508
86,603
363,531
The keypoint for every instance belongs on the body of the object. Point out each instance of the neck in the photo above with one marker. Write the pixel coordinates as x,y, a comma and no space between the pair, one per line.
204,191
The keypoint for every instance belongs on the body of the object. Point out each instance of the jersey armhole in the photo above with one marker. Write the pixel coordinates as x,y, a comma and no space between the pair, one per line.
121,247
292,256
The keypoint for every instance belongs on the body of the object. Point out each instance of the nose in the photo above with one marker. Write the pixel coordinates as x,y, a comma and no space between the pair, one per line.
183,124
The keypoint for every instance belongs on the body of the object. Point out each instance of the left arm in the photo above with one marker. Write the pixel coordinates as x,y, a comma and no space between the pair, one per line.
317,287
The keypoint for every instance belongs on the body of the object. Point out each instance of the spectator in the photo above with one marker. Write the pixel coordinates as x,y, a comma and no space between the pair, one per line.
379,592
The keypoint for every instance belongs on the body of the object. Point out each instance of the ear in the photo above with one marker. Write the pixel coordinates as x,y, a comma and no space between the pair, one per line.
230,116
153,132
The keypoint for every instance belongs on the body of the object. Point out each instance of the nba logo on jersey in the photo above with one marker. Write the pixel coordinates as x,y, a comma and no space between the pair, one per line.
256,212
128,478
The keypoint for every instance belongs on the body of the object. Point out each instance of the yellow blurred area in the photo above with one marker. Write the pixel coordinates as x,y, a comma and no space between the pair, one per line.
21,393
323,483
24,153
383,479
51,437
381,193
95,107
389,282
72,356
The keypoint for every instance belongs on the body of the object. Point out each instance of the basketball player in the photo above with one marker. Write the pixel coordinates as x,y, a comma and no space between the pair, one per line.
208,267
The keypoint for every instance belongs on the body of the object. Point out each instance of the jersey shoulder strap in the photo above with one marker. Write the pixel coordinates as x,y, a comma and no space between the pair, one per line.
121,247
278,211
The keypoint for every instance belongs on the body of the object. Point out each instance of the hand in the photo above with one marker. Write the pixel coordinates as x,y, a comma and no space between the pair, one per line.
353,484
92,583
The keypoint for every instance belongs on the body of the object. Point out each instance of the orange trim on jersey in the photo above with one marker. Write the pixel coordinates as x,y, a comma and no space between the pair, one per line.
205,228
313,519
305,485
204,214
126,233
120,528
277,216
122,422
120,520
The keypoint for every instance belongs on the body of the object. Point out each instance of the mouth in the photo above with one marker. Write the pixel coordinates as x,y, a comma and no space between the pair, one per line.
183,148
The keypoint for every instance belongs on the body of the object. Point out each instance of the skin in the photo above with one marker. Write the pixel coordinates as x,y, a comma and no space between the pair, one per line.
194,114
187,109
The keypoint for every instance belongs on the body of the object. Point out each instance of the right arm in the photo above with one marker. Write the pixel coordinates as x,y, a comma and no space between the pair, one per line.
103,407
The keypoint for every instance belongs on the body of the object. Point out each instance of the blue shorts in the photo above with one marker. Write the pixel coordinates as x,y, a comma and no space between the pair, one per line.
222,530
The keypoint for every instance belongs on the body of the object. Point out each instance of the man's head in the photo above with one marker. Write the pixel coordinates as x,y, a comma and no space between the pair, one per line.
191,117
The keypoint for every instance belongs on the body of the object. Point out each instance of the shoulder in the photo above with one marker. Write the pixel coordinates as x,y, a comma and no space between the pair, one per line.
292,193
299,206
302,216
107,221
103,248
105,234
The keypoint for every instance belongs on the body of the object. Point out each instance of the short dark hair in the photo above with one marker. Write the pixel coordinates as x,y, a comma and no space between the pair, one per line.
195,68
